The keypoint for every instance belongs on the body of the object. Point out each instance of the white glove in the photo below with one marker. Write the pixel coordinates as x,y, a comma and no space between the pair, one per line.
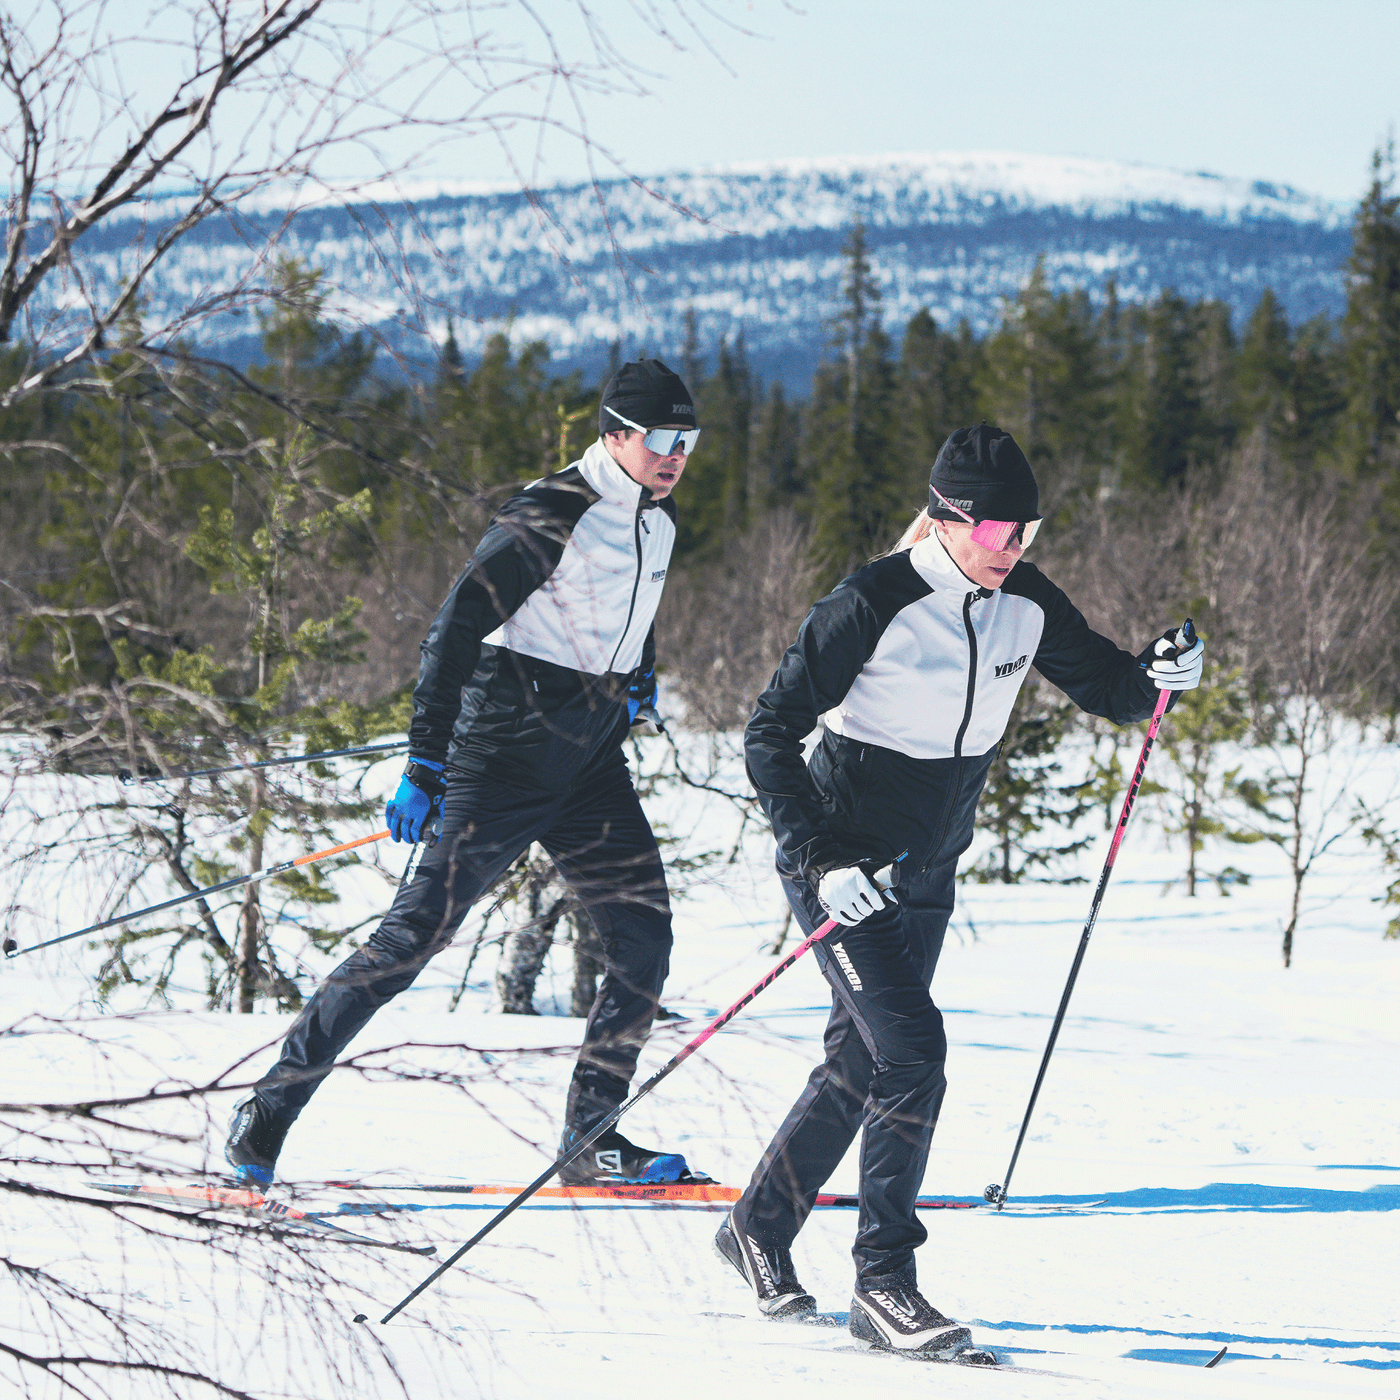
848,895
1173,668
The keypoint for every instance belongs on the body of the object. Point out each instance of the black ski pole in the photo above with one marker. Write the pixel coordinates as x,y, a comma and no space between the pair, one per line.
886,879
125,775
13,950
996,1193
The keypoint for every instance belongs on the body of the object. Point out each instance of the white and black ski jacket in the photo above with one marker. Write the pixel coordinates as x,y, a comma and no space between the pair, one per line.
916,669
528,660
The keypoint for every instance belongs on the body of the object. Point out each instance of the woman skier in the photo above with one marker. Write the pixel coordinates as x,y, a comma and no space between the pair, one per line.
915,661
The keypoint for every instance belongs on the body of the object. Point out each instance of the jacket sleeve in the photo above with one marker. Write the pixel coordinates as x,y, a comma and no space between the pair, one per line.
520,549
1097,675
644,677
837,639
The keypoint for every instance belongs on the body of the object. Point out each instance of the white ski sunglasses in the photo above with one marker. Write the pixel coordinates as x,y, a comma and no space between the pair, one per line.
662,441
993,534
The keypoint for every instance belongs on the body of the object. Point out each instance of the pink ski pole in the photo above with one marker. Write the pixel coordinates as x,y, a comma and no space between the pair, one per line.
996,1192
884,878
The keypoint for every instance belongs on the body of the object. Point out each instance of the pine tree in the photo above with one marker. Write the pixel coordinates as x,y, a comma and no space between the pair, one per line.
1215,375
1316,400
936,392
860,495
1288,382
777,435
1043,379
714,499
1371,326
1266,367
202,618
1169,418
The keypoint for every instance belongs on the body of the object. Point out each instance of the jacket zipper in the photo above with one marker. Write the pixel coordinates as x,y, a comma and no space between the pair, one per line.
971,674
636,583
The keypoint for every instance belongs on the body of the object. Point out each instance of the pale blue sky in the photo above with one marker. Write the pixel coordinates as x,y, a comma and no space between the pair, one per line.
1280,90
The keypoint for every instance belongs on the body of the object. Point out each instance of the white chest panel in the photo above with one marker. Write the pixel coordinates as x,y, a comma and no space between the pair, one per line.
913,694
593,612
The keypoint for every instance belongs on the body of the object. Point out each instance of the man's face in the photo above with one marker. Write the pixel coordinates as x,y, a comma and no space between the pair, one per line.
658,474
987,568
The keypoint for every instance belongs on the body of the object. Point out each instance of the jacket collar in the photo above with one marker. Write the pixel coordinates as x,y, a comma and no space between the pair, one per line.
935,566
607,478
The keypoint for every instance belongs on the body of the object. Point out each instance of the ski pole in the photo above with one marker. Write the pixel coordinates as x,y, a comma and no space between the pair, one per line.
125,775
13,950
886,879
996,1193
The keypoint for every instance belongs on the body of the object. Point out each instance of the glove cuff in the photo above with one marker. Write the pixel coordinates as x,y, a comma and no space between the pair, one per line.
426,776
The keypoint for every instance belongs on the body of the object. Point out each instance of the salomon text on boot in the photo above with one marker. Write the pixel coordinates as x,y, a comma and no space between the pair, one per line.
254,1140
613,1161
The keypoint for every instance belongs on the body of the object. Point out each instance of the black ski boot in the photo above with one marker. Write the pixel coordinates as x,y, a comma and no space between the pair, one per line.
613,1161
769,1272
255,1138
900,1319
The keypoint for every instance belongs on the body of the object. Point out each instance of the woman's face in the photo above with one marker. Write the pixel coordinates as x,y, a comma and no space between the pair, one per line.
987,568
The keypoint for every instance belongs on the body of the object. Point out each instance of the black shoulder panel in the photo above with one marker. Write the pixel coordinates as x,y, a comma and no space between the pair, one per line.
522,546
838,637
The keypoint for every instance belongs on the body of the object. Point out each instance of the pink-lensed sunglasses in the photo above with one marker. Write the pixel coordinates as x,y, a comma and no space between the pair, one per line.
993,534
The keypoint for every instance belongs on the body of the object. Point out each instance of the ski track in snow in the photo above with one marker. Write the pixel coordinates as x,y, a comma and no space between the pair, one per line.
1236,1119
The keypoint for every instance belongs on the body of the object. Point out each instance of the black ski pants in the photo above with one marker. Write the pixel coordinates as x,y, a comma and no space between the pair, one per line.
885,1052
603,846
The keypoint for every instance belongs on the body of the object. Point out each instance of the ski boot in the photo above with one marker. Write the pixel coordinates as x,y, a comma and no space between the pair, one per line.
255,1138
900,1319
769,1272
613,1161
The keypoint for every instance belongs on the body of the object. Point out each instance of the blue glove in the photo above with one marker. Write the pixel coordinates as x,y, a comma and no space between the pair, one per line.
641,705
418,802
641,694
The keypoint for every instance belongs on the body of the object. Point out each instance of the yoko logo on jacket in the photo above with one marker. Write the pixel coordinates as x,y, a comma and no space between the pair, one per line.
1009,668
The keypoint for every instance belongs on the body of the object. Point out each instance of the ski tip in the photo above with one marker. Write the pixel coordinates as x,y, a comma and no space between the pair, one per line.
1215,1360
11,947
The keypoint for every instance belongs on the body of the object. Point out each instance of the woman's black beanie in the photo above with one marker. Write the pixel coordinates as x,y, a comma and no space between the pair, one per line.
981,470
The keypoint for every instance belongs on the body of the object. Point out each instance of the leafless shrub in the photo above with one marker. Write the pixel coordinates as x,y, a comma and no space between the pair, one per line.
149,1294
1280,569
724,624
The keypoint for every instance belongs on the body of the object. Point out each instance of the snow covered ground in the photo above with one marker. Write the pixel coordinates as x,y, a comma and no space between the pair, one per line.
1224,1131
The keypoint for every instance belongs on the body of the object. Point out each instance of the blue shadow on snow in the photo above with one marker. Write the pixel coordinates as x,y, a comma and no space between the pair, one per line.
1185,1357
1228,1196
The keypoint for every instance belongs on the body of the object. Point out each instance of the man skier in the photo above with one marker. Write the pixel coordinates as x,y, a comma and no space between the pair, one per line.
533,669
916,661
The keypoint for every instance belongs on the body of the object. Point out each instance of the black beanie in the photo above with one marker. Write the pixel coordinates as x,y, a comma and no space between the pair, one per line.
982,471
649,393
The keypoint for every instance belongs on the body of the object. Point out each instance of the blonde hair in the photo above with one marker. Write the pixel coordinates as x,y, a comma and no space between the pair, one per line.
919,528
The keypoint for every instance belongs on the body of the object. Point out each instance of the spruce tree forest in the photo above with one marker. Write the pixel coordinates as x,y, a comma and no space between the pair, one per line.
206,566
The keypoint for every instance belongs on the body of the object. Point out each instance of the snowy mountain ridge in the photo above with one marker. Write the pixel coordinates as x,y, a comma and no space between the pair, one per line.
753,248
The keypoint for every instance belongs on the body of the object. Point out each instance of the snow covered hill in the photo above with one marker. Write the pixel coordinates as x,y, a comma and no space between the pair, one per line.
757,249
